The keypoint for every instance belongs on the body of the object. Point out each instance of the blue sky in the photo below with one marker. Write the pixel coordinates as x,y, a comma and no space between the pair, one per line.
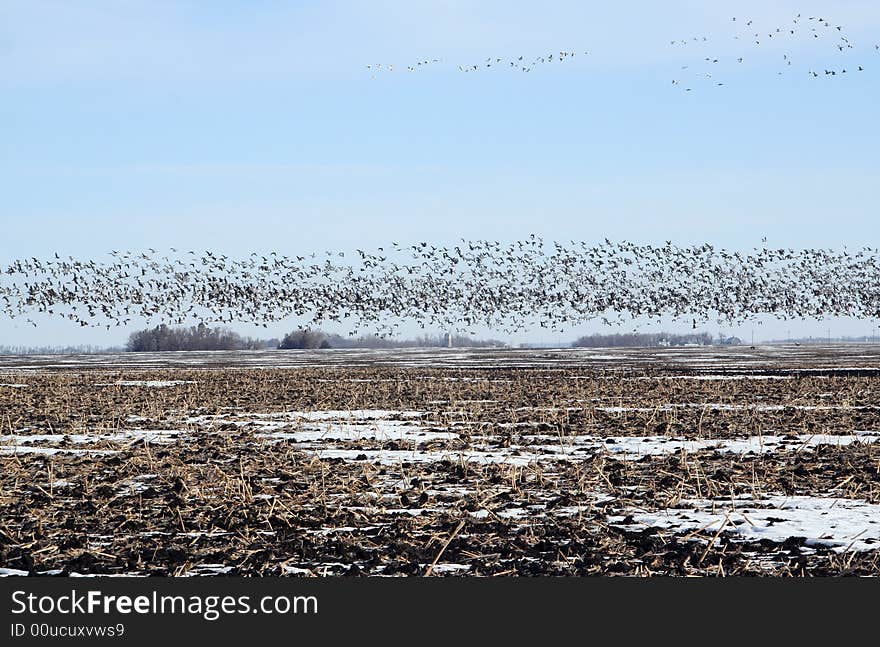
255,126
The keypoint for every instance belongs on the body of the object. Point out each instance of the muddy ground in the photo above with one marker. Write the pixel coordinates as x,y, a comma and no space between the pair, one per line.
673,467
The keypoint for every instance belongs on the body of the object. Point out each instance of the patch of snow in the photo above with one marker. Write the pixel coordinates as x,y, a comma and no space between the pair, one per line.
51,451
381,431
440,569
153,383
718,406
398,456
355,414
208,569
840,524
711,378
12,572
342,529
149,435
634,447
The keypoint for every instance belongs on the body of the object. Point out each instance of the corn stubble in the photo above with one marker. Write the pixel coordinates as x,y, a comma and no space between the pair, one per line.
223,491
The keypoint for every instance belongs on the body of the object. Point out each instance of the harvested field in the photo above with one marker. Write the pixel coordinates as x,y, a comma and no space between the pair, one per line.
634,462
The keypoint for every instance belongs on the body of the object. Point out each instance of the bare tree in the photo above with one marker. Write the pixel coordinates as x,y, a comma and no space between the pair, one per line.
201,337
304,339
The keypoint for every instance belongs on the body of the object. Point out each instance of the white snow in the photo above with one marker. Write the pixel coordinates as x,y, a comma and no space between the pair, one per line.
440,569
384,431
134,484
631,447
279,419
208,569
12,572
35,443
50,451
580,447
719,406
356,414
711,378
396,457
332,425
153,383
841,524
839,357
123,435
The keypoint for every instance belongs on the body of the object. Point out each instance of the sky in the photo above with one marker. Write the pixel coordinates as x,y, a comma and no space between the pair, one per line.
256,126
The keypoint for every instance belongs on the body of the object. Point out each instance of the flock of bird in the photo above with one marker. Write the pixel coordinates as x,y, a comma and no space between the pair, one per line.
519,63
476,283
510,287
785,39
793,37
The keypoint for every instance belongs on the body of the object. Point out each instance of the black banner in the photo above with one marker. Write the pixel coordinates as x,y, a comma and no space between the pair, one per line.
238,610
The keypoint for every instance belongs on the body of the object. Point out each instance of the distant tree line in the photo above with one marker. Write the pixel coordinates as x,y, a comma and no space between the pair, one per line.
318,339
642,339
201,337
57,350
